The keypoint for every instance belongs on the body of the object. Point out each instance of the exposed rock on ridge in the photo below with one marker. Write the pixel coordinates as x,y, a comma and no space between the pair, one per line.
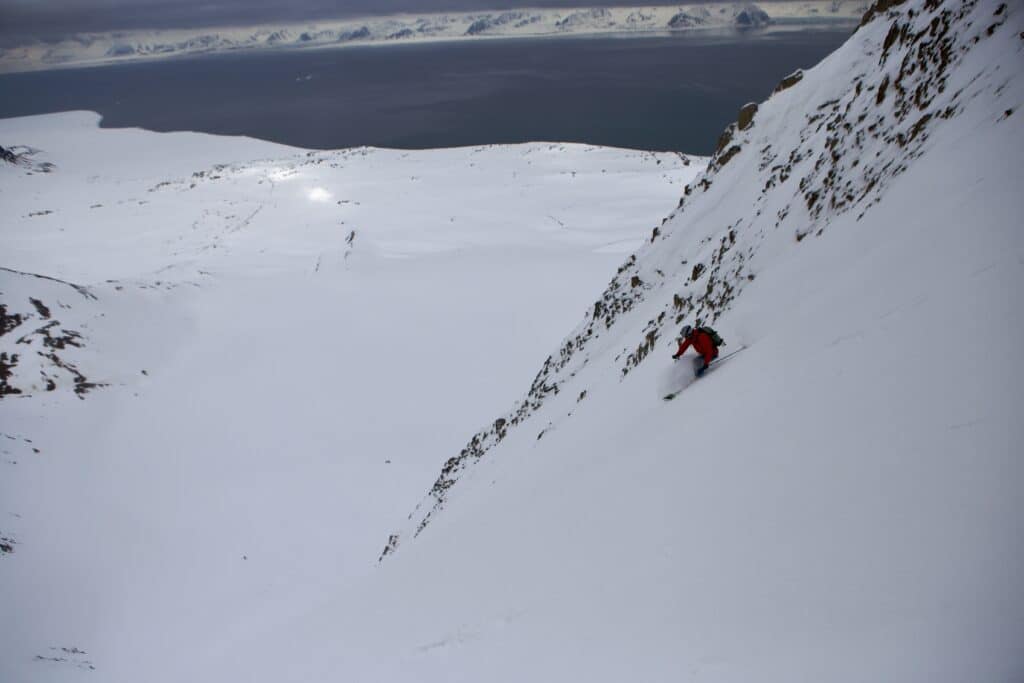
826,148
37,350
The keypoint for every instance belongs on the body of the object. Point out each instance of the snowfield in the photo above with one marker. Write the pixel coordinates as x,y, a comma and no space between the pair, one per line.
258,358
323,332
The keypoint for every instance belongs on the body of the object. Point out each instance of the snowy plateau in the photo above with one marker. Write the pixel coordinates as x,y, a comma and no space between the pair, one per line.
278,415
86,49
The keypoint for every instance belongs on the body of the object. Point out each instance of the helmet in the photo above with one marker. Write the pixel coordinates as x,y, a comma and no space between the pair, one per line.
685,332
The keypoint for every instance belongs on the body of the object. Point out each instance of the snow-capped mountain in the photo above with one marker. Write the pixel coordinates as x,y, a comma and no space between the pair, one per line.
91,49
839,500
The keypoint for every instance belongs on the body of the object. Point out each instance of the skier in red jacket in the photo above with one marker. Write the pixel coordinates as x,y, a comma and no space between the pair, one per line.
702,343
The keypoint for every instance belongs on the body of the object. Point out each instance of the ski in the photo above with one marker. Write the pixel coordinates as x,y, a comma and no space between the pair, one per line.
711,366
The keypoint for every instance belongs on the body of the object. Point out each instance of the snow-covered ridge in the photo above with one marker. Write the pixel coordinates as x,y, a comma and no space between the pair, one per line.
110,48
829,143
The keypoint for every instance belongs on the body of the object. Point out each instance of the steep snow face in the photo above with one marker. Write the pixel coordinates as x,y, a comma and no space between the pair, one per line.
228,365
825,147
840,500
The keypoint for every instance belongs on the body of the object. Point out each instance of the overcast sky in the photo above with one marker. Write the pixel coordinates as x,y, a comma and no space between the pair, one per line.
53,19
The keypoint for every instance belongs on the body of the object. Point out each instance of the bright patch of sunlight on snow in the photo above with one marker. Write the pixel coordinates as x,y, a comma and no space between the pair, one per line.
318,194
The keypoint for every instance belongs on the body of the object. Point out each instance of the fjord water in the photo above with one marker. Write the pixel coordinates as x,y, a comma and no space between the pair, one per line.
660,93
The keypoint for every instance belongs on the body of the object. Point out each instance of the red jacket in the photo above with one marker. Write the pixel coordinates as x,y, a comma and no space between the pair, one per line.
701,343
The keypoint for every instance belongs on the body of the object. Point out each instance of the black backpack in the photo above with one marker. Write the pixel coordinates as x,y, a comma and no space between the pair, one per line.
715,337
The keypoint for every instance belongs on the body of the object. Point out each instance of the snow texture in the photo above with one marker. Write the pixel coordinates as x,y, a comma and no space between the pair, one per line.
321,331
230,366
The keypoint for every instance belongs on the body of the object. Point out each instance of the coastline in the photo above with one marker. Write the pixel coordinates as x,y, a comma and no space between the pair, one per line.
96,50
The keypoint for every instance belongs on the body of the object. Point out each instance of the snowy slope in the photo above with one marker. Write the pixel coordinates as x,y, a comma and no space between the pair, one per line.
823,150
841,501
286,346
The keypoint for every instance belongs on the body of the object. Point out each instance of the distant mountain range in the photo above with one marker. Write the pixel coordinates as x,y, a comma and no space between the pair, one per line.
105,48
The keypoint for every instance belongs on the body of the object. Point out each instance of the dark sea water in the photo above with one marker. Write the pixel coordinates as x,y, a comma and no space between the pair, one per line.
658,93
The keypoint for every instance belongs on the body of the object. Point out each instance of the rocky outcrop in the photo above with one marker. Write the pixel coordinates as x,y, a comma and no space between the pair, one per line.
751,16
361,33
490,22
25,157
879,7
598,16
686,19
279,37
121,50
746,117
37,349
789,81
725,150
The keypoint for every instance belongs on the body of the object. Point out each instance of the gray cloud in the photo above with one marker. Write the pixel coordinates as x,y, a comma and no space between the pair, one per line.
22,20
